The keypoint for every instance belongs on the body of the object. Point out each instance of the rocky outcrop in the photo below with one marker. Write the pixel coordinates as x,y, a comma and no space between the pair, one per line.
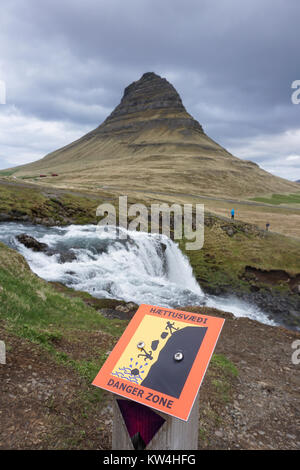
231,227
35,245
14,215
282,307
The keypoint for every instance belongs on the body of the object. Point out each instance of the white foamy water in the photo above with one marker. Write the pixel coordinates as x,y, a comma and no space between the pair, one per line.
144,268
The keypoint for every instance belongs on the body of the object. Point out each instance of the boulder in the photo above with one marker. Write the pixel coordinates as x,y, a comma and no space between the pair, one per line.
32,243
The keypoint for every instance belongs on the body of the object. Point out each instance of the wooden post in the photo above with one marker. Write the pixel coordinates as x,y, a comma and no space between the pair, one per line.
174,434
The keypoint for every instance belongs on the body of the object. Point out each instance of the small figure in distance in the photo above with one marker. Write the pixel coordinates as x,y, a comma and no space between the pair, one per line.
267,226
232,213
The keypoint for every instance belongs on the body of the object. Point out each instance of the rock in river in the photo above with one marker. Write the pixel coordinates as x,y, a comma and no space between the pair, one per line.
34,245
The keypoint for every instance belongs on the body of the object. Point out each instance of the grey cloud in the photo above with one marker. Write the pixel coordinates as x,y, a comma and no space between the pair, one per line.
233,62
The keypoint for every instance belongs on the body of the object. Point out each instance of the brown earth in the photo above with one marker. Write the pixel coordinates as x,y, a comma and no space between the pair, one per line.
45,405
273,277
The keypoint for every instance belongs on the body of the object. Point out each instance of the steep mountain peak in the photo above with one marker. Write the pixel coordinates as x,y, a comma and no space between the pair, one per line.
149,92
151,100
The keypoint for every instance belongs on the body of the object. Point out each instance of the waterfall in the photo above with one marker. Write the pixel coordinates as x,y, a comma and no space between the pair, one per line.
142,267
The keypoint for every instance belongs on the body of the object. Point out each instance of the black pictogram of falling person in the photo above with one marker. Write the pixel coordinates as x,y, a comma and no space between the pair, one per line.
167,375
170,326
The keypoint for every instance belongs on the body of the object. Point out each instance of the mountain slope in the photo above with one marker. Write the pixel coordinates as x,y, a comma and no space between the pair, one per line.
150,140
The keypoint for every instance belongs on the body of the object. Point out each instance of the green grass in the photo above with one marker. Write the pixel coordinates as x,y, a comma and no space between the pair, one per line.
34,203
277,199
222,373
33,309
25,300
7,172
222,363
89,369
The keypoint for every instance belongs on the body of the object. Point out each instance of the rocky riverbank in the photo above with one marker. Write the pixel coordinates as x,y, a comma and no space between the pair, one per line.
282,307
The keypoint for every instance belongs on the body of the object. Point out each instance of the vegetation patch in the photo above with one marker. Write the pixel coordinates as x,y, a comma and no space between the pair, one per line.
39,206
35,310
7,172
278,199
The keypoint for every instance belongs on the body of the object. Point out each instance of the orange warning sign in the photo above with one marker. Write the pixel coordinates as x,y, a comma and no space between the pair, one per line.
161,359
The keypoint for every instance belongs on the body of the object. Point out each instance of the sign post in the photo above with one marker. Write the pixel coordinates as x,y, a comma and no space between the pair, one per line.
156,370
174,434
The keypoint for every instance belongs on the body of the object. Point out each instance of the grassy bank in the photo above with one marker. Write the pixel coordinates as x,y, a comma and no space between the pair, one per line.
35,310
230,247
46,206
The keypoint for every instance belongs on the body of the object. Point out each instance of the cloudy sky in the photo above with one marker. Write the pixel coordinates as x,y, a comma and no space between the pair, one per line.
66,63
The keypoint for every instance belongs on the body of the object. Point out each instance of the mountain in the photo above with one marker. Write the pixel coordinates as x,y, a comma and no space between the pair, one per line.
150,141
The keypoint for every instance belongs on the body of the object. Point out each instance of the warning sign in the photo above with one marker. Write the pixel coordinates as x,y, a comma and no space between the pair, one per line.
161,359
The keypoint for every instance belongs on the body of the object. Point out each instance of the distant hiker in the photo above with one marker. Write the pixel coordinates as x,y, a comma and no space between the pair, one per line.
232,213
267,226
